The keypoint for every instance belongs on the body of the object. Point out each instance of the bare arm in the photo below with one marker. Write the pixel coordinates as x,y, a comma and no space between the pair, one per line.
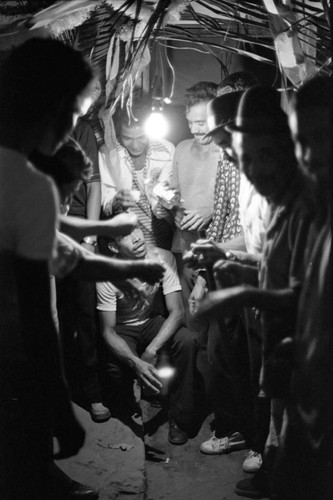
98,268
284,300
237,243
78,228
250,259
87,266
93,208
229,301
170,326
229,273
145,371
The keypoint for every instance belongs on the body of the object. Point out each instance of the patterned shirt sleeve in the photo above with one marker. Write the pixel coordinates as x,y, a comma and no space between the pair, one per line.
232,226
226,218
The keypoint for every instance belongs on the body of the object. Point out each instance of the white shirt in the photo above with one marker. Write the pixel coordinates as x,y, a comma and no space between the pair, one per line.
253,209
133,312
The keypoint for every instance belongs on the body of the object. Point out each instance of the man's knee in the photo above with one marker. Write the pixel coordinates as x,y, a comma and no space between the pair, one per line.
185,340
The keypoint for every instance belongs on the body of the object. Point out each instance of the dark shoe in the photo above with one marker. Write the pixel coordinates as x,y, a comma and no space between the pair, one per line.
99,413
255,487
176,435
79,491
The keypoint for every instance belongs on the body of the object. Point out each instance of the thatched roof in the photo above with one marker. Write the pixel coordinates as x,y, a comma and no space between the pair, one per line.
118,35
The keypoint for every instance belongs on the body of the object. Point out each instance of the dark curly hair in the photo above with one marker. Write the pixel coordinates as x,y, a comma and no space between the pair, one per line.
132,116
68,164
200,92
39,75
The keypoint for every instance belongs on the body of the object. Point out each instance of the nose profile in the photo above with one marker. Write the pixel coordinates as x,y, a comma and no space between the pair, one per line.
195,128
309,156
136,236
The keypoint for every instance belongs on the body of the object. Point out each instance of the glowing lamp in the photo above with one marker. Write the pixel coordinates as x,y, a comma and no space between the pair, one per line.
156,125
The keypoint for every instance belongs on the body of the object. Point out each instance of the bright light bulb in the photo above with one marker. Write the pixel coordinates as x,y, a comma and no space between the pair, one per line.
156,126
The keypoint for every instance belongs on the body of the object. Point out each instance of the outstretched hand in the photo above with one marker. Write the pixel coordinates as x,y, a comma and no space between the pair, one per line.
228,274
222,303
149,271
130,290
122,201
207,252
120,225
148,375
192,221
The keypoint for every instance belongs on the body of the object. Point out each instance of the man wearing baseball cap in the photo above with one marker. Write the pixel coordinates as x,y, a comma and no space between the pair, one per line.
261,140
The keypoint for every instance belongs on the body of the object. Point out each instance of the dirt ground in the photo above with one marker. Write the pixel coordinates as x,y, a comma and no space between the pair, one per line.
123,459
183,472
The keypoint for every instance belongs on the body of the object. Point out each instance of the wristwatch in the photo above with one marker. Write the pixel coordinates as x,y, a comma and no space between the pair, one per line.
90,240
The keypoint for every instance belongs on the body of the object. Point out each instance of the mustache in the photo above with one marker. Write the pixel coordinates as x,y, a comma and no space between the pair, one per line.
139,246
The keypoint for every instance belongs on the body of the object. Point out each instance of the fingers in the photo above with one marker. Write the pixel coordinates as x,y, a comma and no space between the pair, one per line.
150,271
208,249
190,220
124,199
201,241
192,306
190,259
123,224
150,379
228,273
196,225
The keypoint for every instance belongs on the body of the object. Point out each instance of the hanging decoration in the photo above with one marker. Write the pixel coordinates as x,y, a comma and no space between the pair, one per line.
57,18
293,60
174,10
117,35
69,22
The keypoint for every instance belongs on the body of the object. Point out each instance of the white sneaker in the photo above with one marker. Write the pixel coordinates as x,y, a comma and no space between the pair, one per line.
252,462
226,444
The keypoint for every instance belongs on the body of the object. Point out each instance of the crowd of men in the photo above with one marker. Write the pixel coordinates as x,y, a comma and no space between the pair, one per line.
233,281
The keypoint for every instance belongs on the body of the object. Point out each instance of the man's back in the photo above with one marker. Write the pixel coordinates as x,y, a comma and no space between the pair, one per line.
27,230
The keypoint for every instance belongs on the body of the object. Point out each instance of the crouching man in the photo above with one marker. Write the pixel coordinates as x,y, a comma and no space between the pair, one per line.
134,336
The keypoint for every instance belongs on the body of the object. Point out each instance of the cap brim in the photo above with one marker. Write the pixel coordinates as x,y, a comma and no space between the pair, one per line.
257,130
213,131
234,128
219,127
260,124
